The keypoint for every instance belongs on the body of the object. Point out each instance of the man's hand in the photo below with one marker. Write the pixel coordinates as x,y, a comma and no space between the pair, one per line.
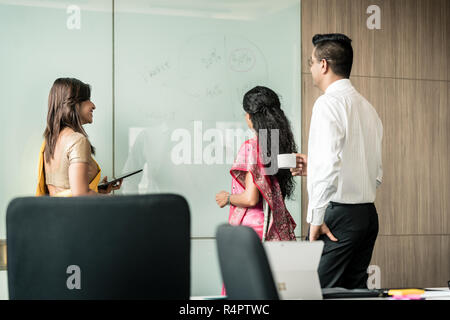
316,231
301,165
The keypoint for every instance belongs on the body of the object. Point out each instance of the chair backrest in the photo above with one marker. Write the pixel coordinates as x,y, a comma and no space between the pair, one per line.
119,247
244,265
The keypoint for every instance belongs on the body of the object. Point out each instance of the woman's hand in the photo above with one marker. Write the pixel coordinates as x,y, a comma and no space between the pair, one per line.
247,199
222,198
111,187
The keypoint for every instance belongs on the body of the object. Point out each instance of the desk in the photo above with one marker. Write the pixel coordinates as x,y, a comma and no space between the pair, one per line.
436,294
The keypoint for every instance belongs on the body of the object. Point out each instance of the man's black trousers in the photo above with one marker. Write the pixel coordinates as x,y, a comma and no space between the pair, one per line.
344,263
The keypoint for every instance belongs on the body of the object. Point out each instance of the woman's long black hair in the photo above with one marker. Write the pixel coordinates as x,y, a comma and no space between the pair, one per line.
264,108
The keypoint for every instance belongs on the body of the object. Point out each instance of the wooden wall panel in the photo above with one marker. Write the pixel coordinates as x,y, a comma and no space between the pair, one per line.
412,42
411,199
447,36
446,169
445,259
410,261
429,46
404,71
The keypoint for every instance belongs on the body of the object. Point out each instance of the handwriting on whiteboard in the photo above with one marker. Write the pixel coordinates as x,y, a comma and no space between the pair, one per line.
157,70
214,91
211,59
242,60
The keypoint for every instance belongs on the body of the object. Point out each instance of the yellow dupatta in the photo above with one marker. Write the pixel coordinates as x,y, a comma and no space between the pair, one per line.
42,189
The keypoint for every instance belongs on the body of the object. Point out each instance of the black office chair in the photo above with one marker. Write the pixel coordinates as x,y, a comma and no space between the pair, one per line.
244,265
124,247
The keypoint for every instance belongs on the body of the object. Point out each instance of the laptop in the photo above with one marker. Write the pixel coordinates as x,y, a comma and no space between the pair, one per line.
294,267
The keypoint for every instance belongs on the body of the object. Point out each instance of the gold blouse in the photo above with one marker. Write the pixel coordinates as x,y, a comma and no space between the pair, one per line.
71,148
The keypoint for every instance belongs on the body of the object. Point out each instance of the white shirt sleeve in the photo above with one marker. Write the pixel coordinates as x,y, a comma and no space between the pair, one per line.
326,141
380,161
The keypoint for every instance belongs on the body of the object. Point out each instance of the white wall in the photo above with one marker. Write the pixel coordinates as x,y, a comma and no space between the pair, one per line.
3,285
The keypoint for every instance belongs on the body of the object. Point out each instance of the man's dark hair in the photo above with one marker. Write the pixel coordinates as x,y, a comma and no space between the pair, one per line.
337,50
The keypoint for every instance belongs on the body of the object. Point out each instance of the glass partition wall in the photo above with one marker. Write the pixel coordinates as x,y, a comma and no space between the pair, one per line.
167,77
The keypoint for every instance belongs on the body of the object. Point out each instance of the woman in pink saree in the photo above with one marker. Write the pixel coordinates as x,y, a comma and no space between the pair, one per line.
258,191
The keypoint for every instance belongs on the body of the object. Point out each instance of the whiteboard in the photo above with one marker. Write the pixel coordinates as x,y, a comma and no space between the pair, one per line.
181,70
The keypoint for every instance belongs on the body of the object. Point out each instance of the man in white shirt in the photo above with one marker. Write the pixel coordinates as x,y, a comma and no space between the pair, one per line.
344,167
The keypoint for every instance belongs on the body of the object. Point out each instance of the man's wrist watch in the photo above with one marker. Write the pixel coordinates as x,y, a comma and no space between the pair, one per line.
228,200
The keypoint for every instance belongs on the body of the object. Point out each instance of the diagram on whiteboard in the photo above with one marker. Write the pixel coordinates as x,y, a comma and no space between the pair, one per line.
220,66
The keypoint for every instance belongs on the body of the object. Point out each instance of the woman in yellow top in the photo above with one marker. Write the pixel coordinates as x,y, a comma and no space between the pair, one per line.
66,166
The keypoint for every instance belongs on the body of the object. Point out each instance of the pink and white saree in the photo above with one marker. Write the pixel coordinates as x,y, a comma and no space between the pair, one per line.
269,218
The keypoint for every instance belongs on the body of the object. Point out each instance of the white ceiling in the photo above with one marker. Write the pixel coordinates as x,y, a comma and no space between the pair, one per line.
218,9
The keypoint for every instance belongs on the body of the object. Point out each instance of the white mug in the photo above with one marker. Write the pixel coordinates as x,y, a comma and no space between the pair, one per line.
287,161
